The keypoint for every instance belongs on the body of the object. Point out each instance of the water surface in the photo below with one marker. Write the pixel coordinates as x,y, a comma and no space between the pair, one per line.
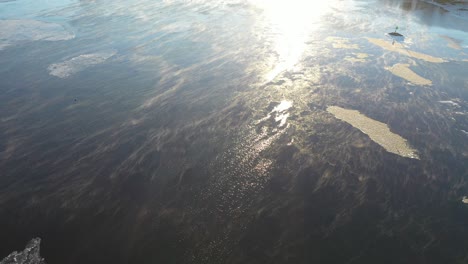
197,131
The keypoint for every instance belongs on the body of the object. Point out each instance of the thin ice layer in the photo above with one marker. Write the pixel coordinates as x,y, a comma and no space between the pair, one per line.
79,63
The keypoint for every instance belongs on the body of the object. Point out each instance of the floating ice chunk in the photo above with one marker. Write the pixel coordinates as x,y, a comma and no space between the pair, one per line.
403,71
14,31
30,255
465,199
76,64
377,131
398,47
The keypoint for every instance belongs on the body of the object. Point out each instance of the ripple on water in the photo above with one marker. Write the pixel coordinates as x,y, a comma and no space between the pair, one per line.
243,170
17,31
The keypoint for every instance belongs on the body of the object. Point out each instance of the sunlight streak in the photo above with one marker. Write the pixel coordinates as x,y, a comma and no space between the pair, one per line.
291,23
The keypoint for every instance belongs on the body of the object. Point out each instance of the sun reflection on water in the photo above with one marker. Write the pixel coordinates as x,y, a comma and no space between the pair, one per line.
291,23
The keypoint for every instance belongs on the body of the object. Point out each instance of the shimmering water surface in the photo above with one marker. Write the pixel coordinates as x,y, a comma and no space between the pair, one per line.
170,131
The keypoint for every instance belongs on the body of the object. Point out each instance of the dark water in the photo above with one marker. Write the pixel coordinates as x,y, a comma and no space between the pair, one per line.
197,132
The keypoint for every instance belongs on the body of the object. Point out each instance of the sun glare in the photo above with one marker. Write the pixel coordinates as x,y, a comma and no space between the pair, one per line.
291,23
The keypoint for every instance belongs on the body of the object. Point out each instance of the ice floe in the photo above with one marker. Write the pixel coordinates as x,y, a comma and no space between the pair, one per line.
377,131
403,71
398,47
465,199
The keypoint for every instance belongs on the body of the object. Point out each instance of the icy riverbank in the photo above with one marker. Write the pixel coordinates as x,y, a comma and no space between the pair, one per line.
30,255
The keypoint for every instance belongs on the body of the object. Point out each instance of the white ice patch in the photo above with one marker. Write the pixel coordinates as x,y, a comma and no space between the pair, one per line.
15,31
465,200
79,63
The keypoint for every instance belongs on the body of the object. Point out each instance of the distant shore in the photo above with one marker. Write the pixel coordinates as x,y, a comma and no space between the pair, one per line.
455,7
